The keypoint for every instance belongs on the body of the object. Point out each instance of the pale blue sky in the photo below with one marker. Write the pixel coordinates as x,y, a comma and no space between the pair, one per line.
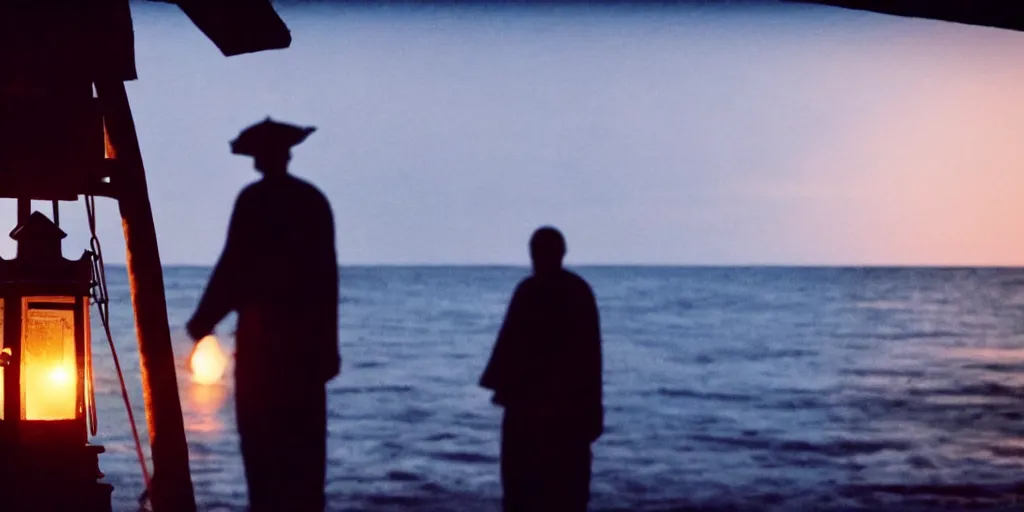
793,135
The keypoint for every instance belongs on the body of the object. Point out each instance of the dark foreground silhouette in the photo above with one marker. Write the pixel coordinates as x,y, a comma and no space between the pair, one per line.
279,272
545,371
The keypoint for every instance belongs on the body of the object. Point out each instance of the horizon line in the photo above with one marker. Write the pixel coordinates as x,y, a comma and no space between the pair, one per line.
645,265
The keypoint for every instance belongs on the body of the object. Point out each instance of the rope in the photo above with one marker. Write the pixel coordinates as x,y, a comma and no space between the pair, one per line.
101,299
90,394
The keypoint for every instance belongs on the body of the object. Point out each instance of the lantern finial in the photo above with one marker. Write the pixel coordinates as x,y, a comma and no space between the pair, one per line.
38,237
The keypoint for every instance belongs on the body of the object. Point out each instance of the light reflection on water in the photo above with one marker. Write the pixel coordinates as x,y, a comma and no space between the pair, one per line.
203,407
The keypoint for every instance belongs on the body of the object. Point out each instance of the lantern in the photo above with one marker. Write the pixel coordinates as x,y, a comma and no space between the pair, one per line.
46,462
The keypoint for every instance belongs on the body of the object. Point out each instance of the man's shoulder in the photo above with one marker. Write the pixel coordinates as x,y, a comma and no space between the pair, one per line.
250,193
314,193
288,185
576,280
566,280
525,283
252,188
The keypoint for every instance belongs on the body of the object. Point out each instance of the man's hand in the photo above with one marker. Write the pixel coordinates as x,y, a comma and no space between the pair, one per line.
329,367
194,332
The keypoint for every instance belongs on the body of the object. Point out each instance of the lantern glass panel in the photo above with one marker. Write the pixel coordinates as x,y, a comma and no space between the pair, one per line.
49,371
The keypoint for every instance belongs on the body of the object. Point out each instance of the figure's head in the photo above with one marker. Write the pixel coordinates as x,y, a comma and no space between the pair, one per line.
269,142
547,249
272,163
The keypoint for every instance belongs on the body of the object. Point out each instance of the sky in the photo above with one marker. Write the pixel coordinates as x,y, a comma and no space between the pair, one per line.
793,134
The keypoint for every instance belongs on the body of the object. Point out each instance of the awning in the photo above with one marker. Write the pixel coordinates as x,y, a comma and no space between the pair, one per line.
238,26
1006,14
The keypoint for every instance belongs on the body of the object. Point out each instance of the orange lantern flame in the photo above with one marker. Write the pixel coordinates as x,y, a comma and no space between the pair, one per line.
208,361
60,377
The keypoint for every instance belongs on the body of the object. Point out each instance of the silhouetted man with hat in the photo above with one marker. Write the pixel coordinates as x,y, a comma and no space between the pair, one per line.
545,370
279,272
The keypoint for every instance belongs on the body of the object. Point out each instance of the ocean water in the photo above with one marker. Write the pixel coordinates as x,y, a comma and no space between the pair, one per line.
726,389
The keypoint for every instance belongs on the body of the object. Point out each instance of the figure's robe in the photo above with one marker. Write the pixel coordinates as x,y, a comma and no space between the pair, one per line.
279,272
546,371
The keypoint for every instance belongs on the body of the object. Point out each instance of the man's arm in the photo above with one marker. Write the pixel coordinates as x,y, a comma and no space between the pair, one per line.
219,297
330,300
496,374
595,370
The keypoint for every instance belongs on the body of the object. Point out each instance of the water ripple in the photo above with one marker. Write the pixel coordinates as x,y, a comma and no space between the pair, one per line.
726,389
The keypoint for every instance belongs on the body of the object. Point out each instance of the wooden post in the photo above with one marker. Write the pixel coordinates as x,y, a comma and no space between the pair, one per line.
171,489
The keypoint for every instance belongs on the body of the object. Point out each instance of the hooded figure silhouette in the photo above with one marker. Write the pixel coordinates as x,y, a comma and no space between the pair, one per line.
545,370
279,272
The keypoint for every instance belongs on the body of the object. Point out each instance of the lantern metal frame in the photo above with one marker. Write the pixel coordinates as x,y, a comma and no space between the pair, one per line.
37,456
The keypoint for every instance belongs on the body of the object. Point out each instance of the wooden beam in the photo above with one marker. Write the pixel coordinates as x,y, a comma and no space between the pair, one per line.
171,489
39,191
238,26
24,210
1005,15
